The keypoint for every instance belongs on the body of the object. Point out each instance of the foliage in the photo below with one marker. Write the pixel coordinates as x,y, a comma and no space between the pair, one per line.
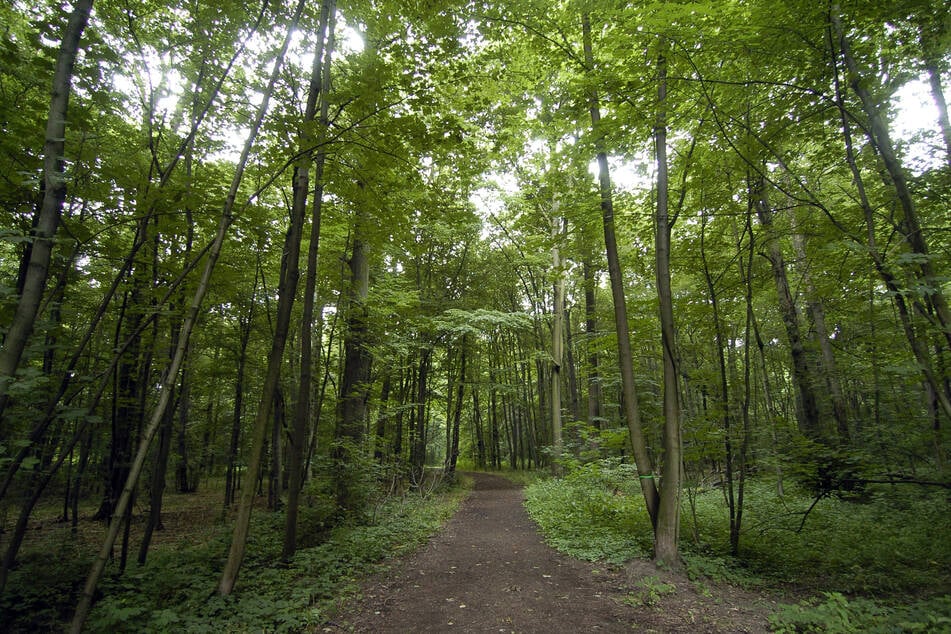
649,591
837,614
595,512
171,591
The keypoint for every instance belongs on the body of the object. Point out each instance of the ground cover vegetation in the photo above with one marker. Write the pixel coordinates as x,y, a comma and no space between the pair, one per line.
690,256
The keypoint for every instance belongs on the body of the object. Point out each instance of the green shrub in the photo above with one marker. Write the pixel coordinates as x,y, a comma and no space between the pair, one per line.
595,512
836,614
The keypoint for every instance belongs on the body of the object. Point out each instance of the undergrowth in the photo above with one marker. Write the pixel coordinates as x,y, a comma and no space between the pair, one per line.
175,590
864,559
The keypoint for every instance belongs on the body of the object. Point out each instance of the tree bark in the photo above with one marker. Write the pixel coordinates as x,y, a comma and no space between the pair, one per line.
452,449
810,423
880,137
827,366
54,195
667,530
355,383
591,332
557,337
319,89
891,281
645,469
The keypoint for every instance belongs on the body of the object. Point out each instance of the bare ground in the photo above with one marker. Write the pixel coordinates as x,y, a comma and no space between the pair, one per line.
489,570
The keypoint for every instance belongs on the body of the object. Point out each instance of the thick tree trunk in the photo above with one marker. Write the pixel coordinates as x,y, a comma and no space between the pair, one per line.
645,468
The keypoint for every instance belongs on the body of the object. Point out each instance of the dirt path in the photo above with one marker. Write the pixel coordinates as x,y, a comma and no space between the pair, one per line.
490,571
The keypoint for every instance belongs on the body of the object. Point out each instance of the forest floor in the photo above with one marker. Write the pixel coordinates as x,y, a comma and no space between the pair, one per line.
489,570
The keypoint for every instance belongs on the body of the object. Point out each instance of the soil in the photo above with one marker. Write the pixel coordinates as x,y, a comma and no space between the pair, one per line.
489,570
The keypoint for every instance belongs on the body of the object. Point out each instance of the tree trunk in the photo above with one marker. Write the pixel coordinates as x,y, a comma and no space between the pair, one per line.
417,456
891,282
828,371
880,137
810,423
54,195
159,469
168,381
452,449
319,88
937,94
591,332
645,469
479,428
183,472
244,324
557,336
720,342
355,383
667,530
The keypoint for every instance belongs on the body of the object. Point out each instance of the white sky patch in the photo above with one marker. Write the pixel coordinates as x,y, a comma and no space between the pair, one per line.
917,114
630,174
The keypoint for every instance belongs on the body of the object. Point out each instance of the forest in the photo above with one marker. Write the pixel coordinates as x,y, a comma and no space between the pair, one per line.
287,262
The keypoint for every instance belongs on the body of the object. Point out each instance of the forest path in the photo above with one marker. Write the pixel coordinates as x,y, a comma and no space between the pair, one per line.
489,570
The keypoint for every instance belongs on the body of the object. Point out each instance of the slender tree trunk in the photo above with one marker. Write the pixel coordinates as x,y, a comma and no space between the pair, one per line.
571,366
479,427
355,383
727,416
452,449
827,366
667,530
165,388
159,468
183,472
244,324
645,469
557,336
54,195
810,423
937,94
591,332
417,458
319,89
881,138
380,450
891,282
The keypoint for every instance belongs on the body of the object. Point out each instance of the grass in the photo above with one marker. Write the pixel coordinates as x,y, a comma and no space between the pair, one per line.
887,556
175,589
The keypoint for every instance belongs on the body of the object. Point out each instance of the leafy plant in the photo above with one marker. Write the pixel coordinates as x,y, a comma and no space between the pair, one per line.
650,590
594,513
837,614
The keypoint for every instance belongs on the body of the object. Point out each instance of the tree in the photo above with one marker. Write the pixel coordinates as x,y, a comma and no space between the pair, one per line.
37,257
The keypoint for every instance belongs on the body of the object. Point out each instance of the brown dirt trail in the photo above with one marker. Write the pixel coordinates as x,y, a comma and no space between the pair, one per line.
489,570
